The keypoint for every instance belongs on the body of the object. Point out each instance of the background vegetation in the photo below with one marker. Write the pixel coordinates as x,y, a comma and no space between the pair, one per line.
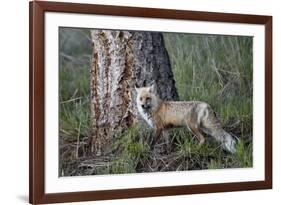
212,68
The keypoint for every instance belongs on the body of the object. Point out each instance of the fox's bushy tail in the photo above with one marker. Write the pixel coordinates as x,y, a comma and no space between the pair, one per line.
228,142
212,126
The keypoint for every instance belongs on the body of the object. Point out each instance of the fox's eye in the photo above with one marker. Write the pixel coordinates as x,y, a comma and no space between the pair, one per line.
140,98
148,98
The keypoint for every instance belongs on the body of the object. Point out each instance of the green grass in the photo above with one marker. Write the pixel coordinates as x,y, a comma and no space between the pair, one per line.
74,100
132,153
218,70
74,82
214,69
210,155
132,148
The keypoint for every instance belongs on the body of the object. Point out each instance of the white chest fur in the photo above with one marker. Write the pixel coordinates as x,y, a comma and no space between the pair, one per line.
145,116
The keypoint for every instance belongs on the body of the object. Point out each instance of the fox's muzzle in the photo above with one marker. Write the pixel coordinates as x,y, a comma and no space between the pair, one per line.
145,107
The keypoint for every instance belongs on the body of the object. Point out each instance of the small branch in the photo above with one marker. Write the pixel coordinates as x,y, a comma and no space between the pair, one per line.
71,100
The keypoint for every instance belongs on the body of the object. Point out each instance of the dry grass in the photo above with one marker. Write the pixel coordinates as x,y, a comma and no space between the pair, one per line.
131,153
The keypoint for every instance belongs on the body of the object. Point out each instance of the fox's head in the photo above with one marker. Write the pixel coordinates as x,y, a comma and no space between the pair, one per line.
147,99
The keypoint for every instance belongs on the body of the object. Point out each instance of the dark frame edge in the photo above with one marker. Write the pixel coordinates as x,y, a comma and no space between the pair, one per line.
36,103
31,189
153,192
36,112
32,164
130,11
268,101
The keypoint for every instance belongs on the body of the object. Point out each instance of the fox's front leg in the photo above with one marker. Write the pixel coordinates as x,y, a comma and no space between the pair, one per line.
157,134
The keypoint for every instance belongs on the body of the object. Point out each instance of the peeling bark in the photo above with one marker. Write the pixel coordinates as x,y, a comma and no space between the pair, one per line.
120,59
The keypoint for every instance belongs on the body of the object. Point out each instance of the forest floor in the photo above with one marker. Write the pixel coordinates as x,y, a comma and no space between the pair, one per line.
178,150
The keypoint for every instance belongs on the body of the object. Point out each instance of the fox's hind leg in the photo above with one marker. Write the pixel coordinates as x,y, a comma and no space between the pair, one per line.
195,130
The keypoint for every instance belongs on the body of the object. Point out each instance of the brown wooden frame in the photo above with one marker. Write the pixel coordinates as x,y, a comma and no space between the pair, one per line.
37,95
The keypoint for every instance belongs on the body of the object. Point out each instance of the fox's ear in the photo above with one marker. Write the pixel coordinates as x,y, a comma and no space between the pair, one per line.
153,88
136,88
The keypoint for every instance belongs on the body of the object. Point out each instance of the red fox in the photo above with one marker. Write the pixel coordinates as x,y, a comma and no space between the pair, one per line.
195,115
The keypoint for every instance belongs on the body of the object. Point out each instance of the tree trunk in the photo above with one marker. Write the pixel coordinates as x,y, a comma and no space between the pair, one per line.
120,59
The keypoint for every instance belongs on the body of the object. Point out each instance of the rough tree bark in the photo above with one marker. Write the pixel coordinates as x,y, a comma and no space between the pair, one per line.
119,60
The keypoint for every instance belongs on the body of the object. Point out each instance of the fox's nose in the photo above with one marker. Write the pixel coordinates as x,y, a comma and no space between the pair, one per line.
143,106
